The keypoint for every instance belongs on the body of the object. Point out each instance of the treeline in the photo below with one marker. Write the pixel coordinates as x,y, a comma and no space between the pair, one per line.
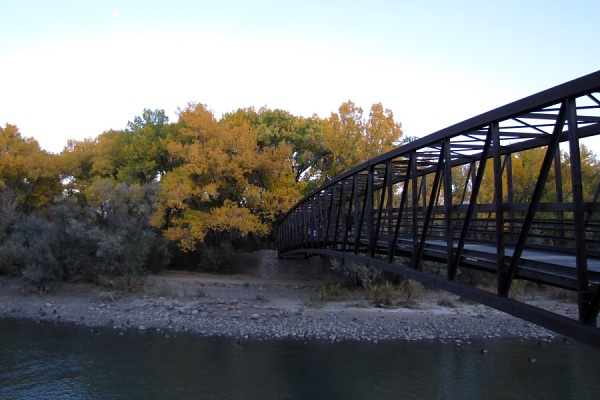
192,193
158,193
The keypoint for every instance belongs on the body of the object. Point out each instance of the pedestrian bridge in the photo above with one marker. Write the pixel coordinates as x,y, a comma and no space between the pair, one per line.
464,206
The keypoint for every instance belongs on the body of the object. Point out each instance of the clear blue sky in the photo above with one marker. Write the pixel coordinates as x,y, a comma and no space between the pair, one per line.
73,69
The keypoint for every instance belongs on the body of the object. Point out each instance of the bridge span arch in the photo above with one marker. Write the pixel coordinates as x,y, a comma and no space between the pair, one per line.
424,201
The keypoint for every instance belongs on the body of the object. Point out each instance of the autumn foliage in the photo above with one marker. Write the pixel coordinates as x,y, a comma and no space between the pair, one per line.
190,192
135,199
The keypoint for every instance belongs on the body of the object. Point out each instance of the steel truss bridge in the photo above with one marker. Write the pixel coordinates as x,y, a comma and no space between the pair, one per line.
423,202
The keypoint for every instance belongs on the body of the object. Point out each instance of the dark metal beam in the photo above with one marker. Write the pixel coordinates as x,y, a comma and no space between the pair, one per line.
471,209
578,214
534,202
498,200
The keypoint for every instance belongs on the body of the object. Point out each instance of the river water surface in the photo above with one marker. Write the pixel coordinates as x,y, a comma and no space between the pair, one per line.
59,362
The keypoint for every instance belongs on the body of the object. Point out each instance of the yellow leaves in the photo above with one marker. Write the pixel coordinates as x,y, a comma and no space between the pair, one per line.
214,149
31,172
382,132
199,123
183,237
195,224
251,197
352,140
18,155
210,191
110,154
525,171
176,150
230,217
279,200
277,177
226,182
177,188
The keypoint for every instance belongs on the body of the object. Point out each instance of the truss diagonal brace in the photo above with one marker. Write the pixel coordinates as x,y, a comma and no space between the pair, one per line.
534,202
471,207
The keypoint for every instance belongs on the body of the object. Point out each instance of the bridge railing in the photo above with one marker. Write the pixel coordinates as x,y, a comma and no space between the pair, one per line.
452,197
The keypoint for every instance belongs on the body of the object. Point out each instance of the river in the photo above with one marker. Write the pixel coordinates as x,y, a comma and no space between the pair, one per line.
63,362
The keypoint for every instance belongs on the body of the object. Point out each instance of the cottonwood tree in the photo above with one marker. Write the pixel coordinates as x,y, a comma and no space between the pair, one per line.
225,182
145,144
351,140
27,170
303,135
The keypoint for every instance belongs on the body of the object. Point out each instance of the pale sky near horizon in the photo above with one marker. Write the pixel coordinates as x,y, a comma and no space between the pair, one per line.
73,69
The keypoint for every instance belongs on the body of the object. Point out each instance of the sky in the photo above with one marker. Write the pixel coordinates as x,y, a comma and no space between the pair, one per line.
74,69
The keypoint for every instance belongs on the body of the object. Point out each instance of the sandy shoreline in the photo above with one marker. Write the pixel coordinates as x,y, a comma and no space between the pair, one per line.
248,308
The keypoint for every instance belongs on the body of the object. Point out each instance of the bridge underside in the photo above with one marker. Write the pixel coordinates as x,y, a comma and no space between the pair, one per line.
456,198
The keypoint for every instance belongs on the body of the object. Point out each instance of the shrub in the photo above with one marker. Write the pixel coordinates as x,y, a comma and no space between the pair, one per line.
384,294
8,211
85,243
332,291
10,257
360,274
414,290
218,258
445,301
517,288
39,276
32,248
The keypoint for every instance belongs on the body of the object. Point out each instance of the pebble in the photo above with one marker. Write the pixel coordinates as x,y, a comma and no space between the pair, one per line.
260,318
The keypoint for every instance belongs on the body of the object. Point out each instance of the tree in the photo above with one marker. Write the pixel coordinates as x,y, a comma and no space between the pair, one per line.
77,163
137,154
382,132
212,189
590,171
525,171
30,172
145,145
303,135
350,140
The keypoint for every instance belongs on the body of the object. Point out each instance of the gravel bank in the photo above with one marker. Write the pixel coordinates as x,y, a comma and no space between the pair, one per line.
247,308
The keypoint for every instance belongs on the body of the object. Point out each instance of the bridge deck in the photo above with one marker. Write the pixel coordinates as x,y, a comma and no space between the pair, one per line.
553,265
543,266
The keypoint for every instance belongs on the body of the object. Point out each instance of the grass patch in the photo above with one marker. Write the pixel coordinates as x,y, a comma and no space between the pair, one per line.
384,295
413,291
445,301
334,291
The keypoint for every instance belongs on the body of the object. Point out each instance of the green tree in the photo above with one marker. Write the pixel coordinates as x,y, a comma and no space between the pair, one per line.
145,145
77,163
137,154
303,135
590,171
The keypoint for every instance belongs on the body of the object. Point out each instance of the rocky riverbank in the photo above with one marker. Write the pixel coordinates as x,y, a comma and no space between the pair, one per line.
248,308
